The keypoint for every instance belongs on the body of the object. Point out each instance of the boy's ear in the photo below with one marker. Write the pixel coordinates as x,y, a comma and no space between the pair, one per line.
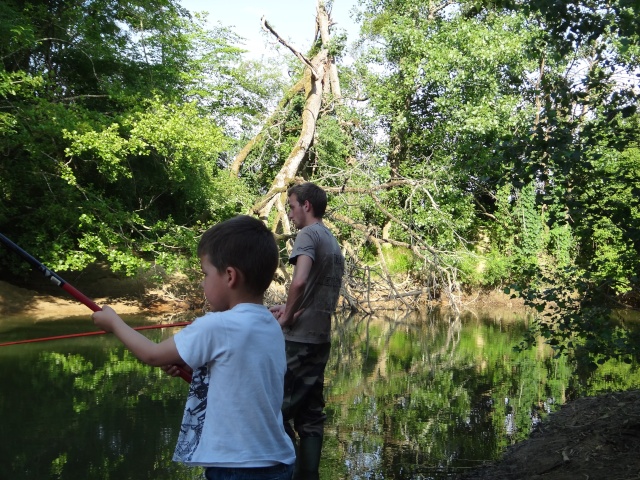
233,276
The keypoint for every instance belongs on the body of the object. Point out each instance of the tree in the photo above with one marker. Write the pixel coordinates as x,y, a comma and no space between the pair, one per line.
582,150
444,87
110,128
315,135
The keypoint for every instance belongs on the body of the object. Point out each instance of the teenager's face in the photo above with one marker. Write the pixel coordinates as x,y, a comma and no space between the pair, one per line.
297,212
215,286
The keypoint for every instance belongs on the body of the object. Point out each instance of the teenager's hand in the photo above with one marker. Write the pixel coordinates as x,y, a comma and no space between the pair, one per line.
277,311
106,319
174,371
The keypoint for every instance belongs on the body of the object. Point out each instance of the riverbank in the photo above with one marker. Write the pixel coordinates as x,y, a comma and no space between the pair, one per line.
39,299
595,438
46,304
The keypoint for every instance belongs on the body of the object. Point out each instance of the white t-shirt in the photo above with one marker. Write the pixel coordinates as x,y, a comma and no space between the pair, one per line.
232,416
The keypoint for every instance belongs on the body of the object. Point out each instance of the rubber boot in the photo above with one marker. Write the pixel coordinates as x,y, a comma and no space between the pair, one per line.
308,459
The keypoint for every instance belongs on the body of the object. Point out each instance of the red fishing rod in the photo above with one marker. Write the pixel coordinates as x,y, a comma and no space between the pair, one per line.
60,282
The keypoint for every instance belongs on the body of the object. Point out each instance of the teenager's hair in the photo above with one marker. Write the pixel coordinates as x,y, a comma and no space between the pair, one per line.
244,243
310,191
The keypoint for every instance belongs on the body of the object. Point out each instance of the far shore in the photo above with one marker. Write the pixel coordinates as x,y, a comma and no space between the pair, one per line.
52,304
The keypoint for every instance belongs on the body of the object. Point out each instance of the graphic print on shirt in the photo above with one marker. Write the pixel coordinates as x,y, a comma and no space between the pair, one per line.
194,414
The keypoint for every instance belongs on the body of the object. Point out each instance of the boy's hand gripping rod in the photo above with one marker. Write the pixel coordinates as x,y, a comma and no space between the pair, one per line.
59,281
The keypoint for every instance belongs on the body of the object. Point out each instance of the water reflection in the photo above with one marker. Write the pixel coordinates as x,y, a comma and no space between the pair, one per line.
408,397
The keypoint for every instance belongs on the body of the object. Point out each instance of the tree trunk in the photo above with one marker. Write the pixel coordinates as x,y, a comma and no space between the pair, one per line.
319,77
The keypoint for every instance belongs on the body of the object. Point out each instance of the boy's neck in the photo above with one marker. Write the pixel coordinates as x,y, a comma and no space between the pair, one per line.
245,298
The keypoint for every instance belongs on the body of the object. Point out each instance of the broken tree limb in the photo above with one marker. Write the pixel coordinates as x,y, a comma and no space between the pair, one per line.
313,102
322,24
246,150
317,83
302,58
442,277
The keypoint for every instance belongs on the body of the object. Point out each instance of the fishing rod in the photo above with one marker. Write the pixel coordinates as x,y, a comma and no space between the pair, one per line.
74,292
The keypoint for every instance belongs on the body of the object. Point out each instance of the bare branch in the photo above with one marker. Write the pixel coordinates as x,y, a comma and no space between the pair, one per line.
302,58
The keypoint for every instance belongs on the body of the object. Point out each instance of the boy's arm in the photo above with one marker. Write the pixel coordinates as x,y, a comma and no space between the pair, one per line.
151,353
301,271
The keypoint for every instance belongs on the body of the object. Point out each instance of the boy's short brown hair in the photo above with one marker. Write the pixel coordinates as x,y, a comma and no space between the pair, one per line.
245,243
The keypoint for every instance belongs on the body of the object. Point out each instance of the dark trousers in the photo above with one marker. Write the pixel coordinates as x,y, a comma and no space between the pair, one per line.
277,472
304,389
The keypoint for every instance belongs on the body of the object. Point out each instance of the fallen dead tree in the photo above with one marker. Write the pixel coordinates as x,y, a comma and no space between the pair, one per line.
371,285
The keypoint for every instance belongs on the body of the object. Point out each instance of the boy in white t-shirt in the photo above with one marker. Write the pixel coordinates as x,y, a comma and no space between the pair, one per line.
232,422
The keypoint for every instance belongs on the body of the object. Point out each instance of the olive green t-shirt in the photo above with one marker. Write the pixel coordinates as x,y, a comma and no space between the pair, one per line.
323,285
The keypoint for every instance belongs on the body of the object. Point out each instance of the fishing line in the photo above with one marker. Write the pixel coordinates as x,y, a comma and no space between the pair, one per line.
87,334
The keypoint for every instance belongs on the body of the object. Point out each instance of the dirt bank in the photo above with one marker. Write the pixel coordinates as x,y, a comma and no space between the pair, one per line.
22,301
38,298
591,438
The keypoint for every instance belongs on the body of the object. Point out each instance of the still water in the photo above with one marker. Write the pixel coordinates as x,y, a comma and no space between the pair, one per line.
418,396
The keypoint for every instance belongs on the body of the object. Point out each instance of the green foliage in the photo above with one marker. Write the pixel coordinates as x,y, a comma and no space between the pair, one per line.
575,317
610,211
110,125
399,260
337,45
169,149
499,269
450,85
612,254
529,240
490,270
332,146
517,120
562,246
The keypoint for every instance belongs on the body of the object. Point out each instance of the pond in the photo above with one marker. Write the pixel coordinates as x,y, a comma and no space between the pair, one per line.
417,396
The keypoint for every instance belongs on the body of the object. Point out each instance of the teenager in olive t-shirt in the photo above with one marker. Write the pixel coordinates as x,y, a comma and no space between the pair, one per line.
306,322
